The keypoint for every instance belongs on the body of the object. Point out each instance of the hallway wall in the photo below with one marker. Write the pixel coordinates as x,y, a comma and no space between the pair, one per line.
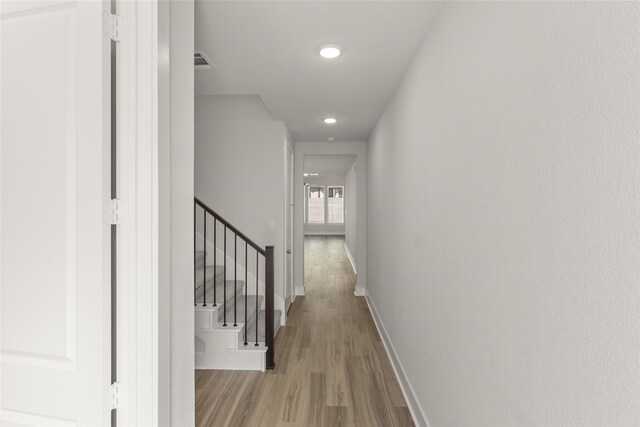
504,208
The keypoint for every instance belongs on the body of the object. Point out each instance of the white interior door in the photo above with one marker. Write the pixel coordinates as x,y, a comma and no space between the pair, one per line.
289,232
54,182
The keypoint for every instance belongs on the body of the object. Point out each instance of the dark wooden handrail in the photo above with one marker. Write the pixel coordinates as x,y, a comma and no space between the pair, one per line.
230,226
267,253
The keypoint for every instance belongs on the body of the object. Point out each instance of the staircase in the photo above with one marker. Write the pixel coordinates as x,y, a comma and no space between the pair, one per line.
235,319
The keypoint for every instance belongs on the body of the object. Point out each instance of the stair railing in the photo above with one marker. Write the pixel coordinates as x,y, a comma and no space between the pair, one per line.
267,253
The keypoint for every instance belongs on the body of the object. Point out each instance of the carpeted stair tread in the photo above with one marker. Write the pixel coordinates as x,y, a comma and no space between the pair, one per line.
219,294
219,270
199,258
251,310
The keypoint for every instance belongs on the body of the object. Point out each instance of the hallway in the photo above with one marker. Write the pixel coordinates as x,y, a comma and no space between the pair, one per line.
331,367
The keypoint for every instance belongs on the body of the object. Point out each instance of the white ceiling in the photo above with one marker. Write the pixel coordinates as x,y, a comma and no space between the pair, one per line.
328,165
270,48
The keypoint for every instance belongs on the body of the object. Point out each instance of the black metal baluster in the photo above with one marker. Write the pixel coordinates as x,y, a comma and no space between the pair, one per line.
215,266
246,285
235,280
224,280
204,270
195,251
257,299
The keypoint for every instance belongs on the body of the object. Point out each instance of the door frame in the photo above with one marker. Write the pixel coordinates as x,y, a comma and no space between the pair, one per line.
137,237
137,233
289,201
359,149
148,359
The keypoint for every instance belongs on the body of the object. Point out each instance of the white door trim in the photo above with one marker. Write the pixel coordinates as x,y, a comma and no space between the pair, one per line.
137,99
359,149
289,201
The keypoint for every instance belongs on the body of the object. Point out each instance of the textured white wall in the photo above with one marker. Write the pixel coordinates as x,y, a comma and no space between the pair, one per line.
506,268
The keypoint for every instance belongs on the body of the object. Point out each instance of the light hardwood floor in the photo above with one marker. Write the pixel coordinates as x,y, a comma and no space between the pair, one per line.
331,367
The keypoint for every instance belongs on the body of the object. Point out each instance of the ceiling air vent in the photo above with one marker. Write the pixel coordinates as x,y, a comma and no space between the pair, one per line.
201,61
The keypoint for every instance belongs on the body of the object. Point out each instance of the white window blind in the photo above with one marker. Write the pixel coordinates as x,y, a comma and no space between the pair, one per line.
315,205
335,205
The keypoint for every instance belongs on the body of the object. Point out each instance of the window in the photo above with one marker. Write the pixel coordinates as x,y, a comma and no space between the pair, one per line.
315,205
335,205
324,210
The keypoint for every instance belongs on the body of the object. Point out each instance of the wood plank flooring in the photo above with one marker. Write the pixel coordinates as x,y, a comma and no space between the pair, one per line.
331,367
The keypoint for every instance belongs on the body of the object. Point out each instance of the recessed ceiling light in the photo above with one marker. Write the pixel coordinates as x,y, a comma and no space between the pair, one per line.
330,120
330,51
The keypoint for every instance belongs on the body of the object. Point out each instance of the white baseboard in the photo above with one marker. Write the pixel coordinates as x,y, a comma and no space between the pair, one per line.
351,260
419,417
324,233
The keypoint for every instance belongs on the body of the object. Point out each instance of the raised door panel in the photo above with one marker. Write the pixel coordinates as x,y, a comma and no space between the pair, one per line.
52,238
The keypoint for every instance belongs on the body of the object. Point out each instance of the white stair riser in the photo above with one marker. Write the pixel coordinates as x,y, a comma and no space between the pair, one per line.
207,319
223,349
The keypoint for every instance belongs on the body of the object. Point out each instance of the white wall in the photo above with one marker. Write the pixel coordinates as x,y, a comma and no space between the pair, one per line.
182,192
323,229
175,198
231,108
351,211
309,148
240,173
504,202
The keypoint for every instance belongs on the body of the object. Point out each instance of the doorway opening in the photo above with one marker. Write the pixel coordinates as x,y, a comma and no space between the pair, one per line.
329,215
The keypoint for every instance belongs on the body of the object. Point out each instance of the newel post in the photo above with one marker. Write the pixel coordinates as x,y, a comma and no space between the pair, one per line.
269,307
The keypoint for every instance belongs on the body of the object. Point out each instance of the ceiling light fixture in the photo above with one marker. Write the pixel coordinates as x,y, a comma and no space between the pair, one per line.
330,120
330,51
